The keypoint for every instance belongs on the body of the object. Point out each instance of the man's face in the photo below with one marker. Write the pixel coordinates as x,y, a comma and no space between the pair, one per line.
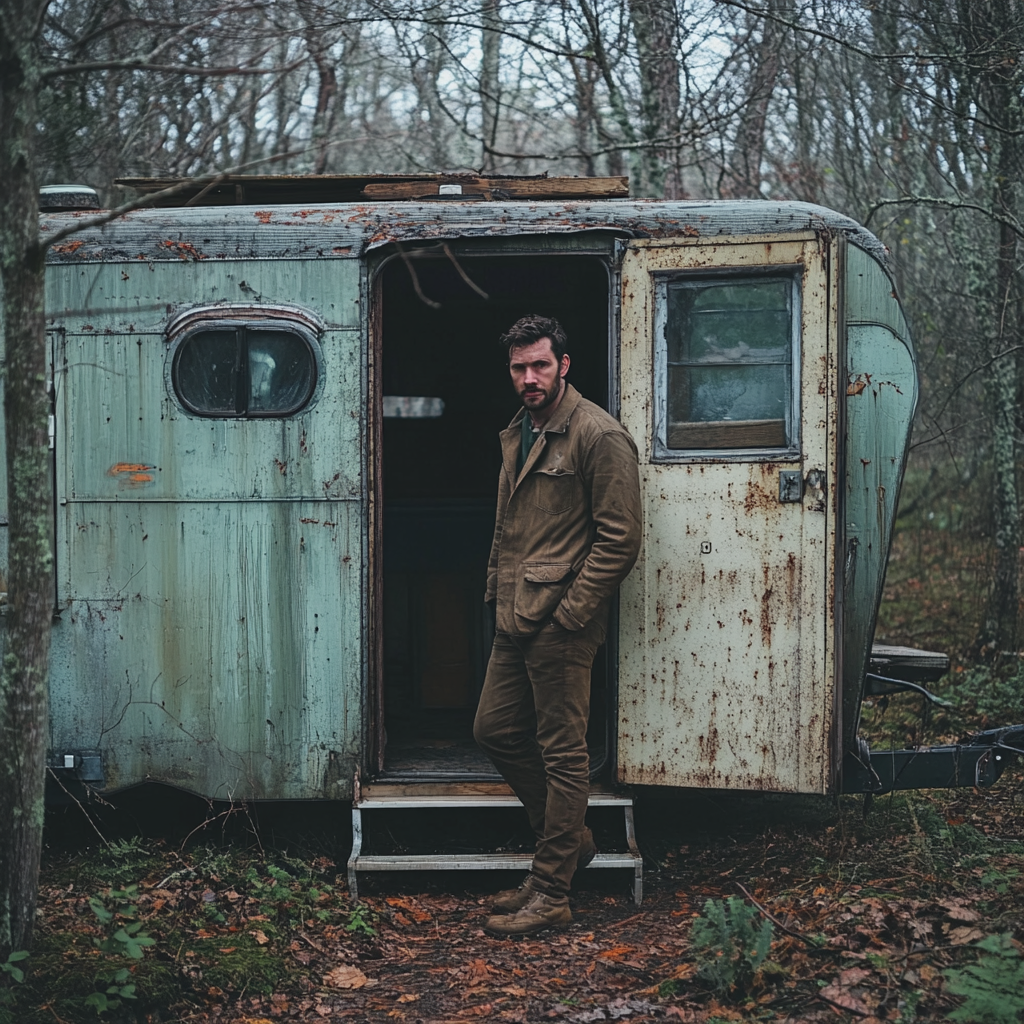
536,374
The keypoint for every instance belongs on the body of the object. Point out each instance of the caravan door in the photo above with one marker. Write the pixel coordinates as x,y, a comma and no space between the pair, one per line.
729,366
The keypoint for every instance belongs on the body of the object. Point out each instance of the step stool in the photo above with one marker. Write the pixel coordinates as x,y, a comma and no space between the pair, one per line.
384,796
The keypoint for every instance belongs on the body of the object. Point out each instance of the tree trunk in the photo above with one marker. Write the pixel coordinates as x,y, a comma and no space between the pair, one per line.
655,31
23,685
744,175
997,25
490,45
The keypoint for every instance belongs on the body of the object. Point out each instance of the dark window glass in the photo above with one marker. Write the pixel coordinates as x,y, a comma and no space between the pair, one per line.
247,371
207,371
730,364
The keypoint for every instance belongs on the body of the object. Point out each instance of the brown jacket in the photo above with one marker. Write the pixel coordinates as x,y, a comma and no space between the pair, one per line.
568,531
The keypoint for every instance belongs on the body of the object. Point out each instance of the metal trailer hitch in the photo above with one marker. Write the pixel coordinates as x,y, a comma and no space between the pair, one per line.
976,760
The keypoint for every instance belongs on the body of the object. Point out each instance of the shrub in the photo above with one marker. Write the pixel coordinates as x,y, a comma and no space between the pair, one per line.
731,945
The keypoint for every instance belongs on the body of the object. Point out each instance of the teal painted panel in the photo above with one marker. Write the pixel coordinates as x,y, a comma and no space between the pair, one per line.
115,409
210,572
139,296
882,393
217,646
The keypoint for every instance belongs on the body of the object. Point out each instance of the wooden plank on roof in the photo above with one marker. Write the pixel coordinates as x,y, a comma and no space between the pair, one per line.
501,188
257,189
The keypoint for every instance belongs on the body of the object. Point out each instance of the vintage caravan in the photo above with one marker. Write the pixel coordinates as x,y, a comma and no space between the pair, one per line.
275,406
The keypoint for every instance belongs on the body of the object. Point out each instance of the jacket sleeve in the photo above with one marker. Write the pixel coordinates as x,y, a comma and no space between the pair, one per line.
491,590
612,482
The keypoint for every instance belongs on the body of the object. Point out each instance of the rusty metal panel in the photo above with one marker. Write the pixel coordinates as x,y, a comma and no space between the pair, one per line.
210,571
345,231
881,399
725,666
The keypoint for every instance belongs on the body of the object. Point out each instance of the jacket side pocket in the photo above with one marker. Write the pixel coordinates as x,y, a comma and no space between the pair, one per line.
540,589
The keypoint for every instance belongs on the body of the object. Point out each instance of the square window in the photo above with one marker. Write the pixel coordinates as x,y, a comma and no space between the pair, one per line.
725,353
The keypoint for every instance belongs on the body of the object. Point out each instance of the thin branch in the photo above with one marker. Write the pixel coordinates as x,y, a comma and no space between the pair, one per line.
174,69
56,778
775,921
465,277
946,204
415,279
913,55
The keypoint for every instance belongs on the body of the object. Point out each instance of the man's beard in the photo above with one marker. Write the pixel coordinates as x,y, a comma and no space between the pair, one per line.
548,399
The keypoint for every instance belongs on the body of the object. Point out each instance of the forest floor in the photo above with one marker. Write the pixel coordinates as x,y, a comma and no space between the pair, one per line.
167,910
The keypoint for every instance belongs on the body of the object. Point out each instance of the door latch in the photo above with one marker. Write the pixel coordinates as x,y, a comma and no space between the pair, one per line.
791,485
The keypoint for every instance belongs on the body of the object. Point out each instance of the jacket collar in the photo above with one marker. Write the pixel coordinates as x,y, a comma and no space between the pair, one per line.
511,436
559,423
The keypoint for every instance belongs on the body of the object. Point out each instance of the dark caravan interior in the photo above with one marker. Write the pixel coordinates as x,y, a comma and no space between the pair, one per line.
439,482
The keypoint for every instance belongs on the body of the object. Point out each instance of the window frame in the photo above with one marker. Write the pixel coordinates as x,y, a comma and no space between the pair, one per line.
184,328
660,451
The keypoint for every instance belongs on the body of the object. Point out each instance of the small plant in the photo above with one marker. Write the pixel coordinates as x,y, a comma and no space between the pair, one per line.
993,987
359,921
125,939
10,968
117,988
730,945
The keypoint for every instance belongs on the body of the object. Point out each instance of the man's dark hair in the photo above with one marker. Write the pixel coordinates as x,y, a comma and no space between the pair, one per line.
532,328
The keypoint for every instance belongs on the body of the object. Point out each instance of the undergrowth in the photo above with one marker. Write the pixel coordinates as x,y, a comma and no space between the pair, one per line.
133,930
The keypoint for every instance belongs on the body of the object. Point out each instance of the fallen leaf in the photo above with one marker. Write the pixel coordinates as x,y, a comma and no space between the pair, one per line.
228,949
964,934
514,990
259,936
345,976
408,997
853,976
616,952
843,997
955,913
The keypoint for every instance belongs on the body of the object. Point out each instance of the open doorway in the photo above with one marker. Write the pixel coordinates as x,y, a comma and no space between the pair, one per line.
446,396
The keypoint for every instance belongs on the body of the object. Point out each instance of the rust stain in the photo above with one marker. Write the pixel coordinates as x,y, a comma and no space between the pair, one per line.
758,499
766,619
855,387
128,467
184,250
263,216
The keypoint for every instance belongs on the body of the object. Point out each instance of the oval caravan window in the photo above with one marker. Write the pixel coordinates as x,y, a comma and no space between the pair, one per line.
245,370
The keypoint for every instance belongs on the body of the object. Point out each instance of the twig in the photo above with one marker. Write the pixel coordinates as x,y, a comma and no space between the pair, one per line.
774,920
103,838
47,1006
173,875
318,948
415,279
465,277
622,924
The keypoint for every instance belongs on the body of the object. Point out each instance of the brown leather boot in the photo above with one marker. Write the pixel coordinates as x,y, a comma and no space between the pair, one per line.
542,912
588,850
511,900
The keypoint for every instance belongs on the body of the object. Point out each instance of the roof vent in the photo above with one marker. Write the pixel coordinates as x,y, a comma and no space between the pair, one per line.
68,197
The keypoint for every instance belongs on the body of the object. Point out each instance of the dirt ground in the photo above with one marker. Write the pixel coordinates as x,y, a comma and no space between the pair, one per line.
251,922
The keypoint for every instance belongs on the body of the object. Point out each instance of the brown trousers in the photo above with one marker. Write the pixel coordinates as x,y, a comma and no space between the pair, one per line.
532,723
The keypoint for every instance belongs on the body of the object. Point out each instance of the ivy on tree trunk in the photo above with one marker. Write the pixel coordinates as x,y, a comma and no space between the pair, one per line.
23,683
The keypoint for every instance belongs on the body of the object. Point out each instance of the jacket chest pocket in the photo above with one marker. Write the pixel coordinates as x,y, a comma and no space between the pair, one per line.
555,490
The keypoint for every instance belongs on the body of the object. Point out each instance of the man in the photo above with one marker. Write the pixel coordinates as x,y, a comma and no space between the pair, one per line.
566,534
